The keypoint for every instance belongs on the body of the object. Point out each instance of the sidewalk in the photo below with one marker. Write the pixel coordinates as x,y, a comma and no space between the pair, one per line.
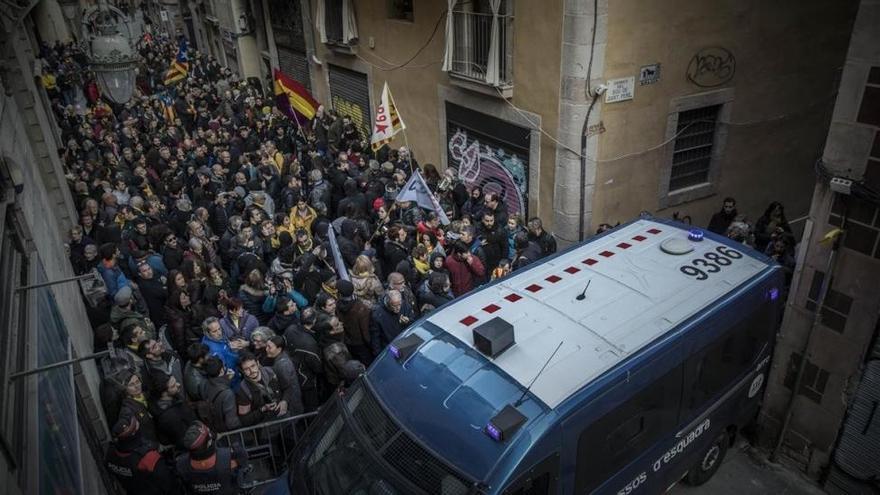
745,472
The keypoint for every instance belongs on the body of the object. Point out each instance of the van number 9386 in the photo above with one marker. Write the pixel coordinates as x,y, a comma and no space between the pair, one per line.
711,262
632,485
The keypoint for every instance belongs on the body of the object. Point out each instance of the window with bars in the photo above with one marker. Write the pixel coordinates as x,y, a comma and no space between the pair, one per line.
694,142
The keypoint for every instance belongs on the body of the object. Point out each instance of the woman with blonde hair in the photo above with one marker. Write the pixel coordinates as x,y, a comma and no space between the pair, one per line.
367,286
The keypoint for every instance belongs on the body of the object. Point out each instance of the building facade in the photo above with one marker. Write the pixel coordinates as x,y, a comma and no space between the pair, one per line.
52,430
580,112
830,427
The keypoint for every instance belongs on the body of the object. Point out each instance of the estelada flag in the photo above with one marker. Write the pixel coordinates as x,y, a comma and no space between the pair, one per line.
388,120
293,98
179,66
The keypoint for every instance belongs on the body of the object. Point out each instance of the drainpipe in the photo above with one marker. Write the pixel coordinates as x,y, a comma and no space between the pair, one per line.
817,318
582,207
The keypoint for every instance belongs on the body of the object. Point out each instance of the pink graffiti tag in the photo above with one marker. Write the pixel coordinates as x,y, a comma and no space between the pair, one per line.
483,168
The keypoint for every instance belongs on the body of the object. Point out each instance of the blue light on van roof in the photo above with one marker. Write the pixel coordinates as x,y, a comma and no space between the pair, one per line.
394,351
773,294
695,235
403,348
505,423
493,432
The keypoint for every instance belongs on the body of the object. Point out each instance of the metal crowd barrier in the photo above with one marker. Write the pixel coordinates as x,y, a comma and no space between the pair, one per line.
268,445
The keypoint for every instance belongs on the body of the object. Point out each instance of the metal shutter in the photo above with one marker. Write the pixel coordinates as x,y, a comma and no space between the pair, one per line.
350,95
295,64
859,443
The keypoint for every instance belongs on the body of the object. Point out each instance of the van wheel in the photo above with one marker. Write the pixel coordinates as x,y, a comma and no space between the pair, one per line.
709,462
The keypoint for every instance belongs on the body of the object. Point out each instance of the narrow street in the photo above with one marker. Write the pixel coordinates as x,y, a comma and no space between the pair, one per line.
746,472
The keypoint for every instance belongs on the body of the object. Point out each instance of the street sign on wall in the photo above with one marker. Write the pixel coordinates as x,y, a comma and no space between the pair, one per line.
620,89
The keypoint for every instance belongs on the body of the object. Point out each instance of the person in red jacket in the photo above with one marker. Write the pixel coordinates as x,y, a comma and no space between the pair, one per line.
464,268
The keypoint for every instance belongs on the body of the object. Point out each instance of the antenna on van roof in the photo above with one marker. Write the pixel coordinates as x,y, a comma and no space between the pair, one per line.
523,396
583,295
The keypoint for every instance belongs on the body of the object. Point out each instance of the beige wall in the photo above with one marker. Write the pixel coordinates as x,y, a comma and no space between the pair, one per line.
537,42
788,55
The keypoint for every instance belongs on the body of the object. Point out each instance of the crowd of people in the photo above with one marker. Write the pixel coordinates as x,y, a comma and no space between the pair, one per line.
207,214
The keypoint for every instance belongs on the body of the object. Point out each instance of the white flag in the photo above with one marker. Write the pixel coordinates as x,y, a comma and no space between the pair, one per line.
341,270
416,189
388,120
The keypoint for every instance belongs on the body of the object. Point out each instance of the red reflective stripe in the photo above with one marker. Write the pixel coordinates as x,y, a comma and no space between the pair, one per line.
468,320
491,308
624,245
589,262
148,461
654,231
513,297
639,238
553,279
606,254
572,270
534,288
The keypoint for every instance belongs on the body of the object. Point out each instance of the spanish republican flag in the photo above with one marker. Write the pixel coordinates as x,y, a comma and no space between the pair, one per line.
179,66
388,120
293,98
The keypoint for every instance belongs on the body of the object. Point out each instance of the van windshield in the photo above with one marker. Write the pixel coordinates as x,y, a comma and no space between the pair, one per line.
355,448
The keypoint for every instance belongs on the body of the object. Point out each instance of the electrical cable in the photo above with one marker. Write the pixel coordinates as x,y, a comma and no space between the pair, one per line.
418,52
582,213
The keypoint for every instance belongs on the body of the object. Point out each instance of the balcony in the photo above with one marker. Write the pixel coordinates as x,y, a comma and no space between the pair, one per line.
337,24
471,49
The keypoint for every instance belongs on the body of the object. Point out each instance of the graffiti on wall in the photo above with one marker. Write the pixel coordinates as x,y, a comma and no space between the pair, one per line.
493,169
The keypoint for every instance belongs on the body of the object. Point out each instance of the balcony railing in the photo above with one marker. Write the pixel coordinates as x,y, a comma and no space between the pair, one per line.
472,43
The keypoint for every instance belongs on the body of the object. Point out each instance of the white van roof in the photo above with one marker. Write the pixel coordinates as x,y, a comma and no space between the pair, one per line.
637,292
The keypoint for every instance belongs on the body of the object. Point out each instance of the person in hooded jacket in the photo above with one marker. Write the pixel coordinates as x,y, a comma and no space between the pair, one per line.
526,251
437,290
302,346
171,413
183,326
355,318
348,242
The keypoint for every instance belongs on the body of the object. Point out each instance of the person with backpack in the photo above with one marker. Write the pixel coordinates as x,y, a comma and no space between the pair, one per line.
220,413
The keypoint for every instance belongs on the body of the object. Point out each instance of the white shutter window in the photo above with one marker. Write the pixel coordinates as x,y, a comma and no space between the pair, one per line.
450,35
320,20
349,22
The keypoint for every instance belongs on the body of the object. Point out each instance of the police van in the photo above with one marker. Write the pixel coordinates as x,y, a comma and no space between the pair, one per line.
621,366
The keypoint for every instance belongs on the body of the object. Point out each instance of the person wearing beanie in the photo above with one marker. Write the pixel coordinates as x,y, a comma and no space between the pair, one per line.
355,318
124,313
136,463
207,468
